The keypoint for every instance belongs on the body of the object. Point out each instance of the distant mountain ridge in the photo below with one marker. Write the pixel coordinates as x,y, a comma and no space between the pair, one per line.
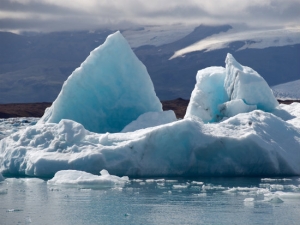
33,67
287,91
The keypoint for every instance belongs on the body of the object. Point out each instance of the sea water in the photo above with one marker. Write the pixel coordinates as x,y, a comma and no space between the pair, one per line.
153,201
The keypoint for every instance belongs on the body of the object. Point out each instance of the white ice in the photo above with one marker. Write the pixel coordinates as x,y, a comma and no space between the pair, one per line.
208,93
86,180
11,125
109,90
255,143
225,92
151,119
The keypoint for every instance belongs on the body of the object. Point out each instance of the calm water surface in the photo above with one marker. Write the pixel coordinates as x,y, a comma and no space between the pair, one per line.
153,201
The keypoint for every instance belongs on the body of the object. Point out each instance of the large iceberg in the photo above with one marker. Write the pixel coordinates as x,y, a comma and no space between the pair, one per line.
249,144
260,137
109,90
224,92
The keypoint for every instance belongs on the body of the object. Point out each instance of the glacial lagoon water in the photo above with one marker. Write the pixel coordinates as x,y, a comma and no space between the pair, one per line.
153,201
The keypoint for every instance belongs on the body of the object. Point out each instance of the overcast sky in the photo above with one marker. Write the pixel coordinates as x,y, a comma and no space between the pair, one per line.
58,15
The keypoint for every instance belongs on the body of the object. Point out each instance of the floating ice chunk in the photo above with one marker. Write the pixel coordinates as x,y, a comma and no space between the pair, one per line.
240,190
137,180
83,179
109,90
244,83
209,187
179,186
171,181
207,95
197,183
150,180
275,180
273,198
288,195
248,199
160,180
276,187
200,195
151,119
234,107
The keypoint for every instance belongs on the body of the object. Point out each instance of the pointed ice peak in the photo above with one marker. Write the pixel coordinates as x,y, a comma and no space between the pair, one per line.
116,37
242,82
109,90
230,60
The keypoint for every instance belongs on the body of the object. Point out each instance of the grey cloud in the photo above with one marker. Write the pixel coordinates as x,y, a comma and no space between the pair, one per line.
35,7
276,12
134,11
178,11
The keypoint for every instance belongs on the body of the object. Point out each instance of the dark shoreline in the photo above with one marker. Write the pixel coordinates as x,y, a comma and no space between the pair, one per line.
178,105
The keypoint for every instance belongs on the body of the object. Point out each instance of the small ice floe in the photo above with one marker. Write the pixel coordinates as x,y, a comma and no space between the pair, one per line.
137,180
247,191
179,186
276,187
197,183
249,202
171,181
150,180
288,195
273,198
160,180
84,179
248,199
200,195
209,187
275,180
13,210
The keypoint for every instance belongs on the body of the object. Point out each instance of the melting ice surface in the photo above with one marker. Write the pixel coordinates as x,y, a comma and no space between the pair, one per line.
233,126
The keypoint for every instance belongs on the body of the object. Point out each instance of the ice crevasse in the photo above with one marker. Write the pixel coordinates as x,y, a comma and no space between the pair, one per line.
233,127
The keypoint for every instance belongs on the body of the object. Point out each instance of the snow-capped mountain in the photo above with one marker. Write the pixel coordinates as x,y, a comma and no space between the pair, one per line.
289,90
34,66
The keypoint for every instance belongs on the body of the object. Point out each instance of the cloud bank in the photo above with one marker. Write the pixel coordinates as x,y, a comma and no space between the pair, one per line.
55,15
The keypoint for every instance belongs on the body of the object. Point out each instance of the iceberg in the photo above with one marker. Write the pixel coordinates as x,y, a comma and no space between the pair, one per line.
249,144
225,92
109,90
260,137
